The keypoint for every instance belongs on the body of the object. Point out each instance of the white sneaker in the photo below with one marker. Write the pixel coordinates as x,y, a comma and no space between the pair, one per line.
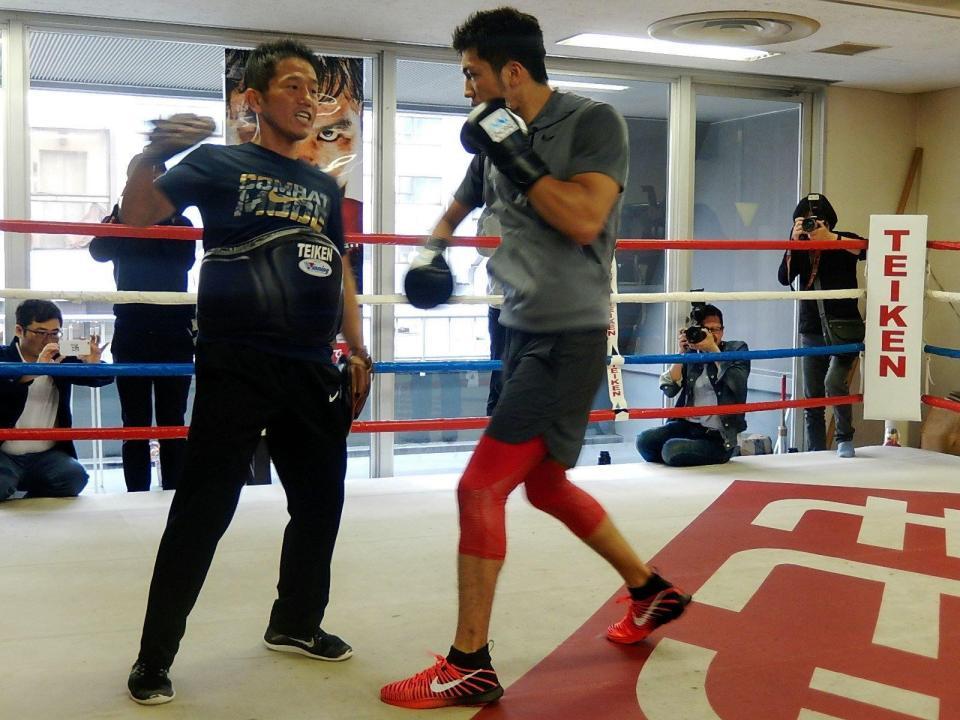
845,449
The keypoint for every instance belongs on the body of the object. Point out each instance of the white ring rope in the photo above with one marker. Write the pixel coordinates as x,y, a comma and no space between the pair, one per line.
175,298
122,297
944,296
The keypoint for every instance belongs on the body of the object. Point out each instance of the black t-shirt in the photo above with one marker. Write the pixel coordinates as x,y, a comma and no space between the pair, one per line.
245,192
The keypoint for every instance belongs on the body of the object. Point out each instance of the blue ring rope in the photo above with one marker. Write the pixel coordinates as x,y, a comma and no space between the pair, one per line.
180,369
942,351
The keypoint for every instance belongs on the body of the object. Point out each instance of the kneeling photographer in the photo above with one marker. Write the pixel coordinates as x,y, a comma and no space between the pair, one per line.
825,322
706,439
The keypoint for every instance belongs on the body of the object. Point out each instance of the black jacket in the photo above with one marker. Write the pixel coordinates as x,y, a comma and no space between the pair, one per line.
837,271
730,386
13,395
148,264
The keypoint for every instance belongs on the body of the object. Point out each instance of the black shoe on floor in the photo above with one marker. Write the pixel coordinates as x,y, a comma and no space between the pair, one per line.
322,646
149,684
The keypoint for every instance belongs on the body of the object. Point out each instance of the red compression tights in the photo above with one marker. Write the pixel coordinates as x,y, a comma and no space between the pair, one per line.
494,471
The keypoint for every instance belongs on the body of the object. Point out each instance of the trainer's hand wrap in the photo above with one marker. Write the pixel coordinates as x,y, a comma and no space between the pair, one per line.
429,282
496,132
360,367
171,136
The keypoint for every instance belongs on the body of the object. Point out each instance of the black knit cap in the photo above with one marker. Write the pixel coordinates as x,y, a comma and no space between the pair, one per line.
825,213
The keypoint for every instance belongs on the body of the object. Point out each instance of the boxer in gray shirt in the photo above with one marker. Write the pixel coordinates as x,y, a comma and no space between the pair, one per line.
556,167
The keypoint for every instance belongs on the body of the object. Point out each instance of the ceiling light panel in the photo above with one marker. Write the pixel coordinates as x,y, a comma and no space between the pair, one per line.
660,47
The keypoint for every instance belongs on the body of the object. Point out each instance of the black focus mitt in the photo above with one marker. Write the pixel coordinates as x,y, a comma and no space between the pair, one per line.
429,282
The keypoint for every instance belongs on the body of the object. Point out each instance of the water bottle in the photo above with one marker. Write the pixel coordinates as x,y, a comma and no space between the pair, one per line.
155,459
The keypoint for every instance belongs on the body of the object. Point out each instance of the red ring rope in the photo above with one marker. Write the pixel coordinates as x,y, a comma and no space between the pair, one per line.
940,402
465,423
186,233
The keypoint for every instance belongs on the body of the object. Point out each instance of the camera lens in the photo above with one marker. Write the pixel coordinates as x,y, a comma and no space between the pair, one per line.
809,224
695,334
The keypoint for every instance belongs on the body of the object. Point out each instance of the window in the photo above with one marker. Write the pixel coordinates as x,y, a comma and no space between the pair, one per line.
419,191
418,129
3,133
431,111
70,181
747,184
87,120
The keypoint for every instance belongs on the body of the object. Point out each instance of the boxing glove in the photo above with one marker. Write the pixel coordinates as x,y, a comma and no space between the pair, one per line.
493,130
429,282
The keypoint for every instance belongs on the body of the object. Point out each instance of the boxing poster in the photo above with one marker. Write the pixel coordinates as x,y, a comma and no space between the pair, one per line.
336,145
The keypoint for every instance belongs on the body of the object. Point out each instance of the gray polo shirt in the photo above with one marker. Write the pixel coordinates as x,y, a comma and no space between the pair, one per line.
474,193
552,284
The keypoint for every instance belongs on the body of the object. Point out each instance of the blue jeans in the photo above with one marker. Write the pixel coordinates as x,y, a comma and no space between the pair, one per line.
825,376
681,443
51,473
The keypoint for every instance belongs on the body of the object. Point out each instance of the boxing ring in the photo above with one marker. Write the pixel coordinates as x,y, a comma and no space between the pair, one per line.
824,587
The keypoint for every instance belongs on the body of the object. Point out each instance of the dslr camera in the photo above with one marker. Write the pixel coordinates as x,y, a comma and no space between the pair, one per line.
694,332
809,224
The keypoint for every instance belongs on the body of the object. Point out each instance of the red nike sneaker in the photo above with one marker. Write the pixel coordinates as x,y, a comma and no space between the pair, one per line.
442,685
645,616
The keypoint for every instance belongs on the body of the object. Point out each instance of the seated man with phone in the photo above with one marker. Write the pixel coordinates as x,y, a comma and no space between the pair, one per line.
42,468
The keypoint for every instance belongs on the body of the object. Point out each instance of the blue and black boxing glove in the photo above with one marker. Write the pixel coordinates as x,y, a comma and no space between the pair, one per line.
429,282
496,132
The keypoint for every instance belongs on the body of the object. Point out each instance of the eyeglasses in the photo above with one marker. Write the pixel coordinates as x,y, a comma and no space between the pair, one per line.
46,333
713,328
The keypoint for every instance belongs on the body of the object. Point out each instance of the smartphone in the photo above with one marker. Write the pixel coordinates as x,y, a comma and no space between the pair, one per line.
74,348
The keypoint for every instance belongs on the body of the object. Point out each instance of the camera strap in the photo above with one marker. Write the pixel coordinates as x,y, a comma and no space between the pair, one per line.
824,324
814,269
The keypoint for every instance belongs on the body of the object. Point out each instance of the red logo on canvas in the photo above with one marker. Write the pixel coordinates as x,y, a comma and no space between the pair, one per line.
810,602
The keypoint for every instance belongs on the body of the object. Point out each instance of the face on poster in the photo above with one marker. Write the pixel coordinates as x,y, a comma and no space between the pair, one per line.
336,144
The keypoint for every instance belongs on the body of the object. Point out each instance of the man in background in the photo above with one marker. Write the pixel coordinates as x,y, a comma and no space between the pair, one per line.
151,333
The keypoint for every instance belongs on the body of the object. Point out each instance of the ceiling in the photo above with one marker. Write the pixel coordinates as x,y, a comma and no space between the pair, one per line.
920,39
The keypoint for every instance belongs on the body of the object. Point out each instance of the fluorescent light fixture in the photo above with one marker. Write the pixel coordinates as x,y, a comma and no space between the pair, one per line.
661,47
577,85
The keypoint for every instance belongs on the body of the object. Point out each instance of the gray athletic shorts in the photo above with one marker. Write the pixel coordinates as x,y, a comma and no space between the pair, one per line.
549,382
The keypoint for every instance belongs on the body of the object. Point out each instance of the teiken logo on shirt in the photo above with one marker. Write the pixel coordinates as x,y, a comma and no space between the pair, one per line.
260,195
316,259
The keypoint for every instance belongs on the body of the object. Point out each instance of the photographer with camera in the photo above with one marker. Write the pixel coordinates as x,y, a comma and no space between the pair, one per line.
825,322
42,468
706,439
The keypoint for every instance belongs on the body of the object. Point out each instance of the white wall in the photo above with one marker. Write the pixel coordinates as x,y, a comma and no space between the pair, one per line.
939,197
869,143
870,138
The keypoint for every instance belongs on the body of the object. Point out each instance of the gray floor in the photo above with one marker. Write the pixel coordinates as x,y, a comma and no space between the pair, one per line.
75,575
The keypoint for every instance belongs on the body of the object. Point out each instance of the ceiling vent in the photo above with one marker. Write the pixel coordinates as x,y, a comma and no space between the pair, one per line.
849,49
734,28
